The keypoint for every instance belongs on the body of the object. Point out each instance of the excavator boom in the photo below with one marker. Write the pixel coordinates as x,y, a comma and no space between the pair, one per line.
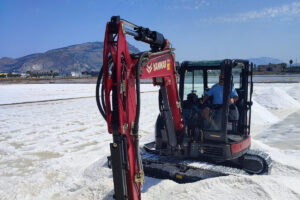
120,78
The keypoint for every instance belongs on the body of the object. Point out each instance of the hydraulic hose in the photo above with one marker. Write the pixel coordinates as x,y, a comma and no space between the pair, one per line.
100,102
138,108
138,92
101,105
251,92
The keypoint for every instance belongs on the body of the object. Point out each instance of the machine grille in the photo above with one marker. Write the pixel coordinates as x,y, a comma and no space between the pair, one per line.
214,151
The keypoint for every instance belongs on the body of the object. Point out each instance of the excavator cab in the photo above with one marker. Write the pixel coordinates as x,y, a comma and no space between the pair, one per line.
226,134
227,123
223,139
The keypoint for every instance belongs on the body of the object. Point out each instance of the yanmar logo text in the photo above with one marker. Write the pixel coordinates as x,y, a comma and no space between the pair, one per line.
158,66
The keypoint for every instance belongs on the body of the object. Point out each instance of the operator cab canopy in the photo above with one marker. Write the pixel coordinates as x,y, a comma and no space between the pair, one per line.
199,76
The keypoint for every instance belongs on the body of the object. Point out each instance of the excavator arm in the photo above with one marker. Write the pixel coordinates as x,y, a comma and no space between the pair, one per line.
120,104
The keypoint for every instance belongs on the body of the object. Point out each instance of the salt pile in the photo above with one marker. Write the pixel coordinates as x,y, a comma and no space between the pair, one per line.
261,115
295,91
276,98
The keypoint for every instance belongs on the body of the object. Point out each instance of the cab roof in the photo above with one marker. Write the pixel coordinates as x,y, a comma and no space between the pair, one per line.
202,63
212,64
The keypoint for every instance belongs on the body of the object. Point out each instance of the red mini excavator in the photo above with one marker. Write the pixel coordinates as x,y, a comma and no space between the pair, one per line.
187,146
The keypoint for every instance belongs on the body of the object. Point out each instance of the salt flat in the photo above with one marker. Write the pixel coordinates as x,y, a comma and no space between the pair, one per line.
58,150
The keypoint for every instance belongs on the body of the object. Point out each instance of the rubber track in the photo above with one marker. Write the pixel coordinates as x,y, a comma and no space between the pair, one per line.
264,157
184,171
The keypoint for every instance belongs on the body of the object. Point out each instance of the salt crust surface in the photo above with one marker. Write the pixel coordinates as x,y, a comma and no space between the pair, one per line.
58,150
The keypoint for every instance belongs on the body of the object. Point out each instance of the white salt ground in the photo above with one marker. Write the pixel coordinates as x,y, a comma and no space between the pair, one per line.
58,150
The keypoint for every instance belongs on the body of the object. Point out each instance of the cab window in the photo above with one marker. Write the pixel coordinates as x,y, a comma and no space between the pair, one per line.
193,83
213,77
236,72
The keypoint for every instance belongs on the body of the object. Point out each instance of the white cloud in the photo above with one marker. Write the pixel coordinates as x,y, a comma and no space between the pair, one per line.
188,4
289,12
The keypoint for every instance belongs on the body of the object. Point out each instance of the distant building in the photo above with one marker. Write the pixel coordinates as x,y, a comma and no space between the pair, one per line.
271,67
94,73
85,74
3,75
25,75
91,73
293,69
75,74
13,74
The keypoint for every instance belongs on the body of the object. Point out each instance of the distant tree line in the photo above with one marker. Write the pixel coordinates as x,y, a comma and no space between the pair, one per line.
10,74
91,73
39,74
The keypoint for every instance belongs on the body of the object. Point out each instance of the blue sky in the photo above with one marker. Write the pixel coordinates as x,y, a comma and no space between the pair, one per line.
198,29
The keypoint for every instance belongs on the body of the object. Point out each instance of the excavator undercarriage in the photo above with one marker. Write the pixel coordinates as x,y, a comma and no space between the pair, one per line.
191,170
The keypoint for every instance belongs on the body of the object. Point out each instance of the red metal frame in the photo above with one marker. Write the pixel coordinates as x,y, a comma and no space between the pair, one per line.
163,65
117,49
238,147
160,64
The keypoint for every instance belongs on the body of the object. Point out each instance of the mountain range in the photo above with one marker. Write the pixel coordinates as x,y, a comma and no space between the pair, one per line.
78,58
81,57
